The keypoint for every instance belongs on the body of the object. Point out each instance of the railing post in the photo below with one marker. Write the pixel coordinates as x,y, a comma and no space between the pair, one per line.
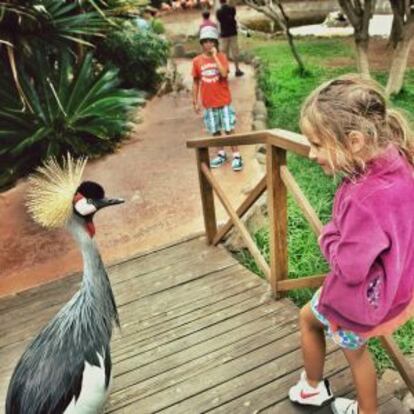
277,210
207,196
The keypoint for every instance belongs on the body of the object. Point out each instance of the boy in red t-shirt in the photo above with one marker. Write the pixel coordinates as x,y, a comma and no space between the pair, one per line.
210,71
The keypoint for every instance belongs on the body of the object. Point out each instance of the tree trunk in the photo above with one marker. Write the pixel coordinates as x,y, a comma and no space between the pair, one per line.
295,53
362,58
301,66
398,67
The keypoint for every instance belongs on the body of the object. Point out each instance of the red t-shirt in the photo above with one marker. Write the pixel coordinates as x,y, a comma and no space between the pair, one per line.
214,89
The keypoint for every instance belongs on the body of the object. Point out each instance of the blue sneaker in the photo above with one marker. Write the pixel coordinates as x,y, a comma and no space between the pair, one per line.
218,161
237,164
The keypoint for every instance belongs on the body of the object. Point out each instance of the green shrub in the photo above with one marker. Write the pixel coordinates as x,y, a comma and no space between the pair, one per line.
66,109
137,54
157,26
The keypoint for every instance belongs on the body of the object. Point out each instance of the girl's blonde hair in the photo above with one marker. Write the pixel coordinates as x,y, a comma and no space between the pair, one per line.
350,103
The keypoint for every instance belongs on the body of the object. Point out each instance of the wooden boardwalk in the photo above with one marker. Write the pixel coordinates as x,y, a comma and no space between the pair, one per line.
199,334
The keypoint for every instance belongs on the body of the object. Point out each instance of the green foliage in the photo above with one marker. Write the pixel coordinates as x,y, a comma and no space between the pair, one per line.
157,26
137,54
284,93
67,109
54,98
48,24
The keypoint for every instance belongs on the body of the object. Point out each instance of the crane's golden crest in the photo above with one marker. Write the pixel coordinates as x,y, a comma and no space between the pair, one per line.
51,191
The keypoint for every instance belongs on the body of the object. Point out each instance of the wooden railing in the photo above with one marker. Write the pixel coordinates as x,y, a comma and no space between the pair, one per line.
277,181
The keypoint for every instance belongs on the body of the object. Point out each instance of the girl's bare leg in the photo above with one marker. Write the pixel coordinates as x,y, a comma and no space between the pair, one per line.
313,345
365,379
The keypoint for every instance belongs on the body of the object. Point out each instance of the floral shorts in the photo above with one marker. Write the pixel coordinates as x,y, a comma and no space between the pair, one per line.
343,338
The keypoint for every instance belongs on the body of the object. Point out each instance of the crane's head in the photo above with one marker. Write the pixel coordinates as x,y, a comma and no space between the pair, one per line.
88,199
56,194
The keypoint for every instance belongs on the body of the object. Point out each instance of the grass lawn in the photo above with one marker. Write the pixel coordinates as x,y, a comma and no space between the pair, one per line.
284,92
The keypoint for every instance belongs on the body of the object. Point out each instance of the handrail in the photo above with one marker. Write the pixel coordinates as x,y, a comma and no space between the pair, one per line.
287,140
249,138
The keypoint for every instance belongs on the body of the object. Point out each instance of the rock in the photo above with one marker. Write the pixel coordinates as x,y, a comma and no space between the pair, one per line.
259,94
260,109
261,158
336,19
393,381
408,402
259,125
179,50
256,62
261,148
255,219
260,117
191,54
246,57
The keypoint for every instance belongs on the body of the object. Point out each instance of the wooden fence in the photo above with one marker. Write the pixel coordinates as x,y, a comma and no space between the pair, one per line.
277,181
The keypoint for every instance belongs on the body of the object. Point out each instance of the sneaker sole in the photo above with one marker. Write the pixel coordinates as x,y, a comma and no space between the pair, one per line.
237,169
325,403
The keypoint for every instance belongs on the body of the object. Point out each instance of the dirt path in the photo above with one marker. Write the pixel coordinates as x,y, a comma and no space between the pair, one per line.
154,172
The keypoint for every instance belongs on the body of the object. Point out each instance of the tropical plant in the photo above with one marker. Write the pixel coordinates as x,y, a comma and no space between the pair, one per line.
138,55
69,107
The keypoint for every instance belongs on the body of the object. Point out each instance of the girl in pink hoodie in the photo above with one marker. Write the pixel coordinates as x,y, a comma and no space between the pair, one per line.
369,241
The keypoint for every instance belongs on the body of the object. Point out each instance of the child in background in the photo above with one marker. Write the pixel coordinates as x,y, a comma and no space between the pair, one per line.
369,242
206,20
210,72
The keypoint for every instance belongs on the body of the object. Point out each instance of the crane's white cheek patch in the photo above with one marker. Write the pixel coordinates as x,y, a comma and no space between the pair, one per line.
93,392
84,208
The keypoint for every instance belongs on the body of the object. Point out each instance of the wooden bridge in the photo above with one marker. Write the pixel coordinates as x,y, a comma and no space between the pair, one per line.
200,333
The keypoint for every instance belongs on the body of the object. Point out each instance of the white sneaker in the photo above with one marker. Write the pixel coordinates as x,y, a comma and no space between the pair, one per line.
302,393
344,406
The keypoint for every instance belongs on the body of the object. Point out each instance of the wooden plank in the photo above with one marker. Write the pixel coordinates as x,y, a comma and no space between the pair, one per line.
221,333
249,138
152,310
174,330
401,363
229,380
157,330
192,267
118,273
393,406
182,299
266,391
257,191
277,210
194,361
176,398
289,141
302,282
207,196
301,200
251,246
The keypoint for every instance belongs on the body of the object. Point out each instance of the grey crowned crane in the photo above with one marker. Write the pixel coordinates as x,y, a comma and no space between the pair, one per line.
67,368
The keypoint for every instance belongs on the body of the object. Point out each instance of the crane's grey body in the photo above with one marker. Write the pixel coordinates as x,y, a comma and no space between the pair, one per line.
73,350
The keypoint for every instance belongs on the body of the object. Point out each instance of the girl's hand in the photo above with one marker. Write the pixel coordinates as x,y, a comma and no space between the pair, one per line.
214,51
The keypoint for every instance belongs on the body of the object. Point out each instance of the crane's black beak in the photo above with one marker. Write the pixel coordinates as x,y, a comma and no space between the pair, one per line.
106,202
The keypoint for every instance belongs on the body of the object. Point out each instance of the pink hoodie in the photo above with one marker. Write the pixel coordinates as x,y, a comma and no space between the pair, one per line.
369,245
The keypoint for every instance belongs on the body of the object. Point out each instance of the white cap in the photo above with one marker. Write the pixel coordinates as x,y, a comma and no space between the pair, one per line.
209,32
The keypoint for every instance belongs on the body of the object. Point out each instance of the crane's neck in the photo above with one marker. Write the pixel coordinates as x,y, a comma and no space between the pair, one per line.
96,288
